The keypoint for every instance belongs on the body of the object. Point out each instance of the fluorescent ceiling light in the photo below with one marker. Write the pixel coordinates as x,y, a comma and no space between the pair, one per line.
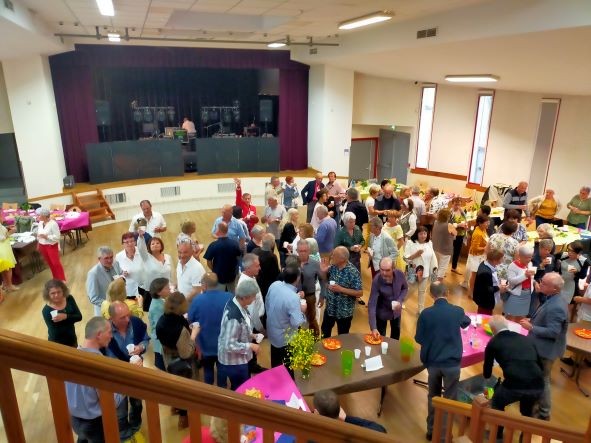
370,19
276,45
472,78
114,37
106,7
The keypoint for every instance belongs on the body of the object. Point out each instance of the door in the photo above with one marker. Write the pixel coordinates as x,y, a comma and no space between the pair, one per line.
393,155
362,159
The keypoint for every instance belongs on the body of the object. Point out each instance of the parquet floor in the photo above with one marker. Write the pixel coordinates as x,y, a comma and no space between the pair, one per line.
405,404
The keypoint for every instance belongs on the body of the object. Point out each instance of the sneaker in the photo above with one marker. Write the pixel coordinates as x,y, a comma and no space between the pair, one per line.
429,436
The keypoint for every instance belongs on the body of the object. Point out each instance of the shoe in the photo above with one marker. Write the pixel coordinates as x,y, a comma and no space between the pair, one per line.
567,361
429,436
13,288
257,369
183,422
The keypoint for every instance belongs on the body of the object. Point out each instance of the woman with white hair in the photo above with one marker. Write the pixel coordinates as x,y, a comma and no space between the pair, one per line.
545,207
48,237
256,238
519,278
351,237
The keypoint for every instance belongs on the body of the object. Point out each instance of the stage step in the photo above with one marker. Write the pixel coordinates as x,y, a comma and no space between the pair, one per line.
95,204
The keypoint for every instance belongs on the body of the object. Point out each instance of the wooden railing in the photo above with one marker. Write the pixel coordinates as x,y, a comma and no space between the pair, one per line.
470,424
59,364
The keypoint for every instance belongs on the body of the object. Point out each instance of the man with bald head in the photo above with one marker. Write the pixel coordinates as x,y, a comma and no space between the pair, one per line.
516,198
309,194
222,257
235,231
386,202
547,330
342,294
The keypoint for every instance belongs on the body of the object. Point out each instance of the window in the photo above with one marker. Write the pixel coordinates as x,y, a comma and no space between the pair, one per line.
425,126
485,104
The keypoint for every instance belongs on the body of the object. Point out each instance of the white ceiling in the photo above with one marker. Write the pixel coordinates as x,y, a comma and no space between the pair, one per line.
533,45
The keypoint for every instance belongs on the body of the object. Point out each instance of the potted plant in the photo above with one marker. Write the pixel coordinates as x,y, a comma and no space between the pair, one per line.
300,348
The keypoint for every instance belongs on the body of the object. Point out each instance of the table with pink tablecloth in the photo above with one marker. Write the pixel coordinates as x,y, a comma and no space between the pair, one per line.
275,384
67,221
473,355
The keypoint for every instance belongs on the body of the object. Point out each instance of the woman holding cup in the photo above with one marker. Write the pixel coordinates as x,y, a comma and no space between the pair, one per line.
519,275
60,313
132,265
48,238
351,237
488,287
571,269
419,254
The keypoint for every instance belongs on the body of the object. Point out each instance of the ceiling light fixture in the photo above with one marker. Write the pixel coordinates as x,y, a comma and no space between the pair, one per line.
472,78
106,7
114,37
369,19
276,45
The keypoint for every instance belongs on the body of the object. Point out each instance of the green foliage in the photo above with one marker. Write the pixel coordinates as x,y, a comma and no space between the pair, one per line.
300,347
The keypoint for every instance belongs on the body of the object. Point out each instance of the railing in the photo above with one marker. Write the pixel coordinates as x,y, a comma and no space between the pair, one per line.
474,421
59,364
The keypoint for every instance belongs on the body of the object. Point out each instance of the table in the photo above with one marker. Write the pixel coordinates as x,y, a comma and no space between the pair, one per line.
581,348
22,251
563,236
329,376
276,384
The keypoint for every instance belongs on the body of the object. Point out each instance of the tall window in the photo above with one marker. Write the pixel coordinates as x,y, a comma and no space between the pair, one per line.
425,126
485,104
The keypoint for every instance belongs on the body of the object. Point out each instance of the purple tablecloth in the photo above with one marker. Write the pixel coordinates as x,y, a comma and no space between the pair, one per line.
65,220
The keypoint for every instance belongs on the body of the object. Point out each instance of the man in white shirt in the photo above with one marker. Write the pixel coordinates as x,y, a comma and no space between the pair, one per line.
189,126
189,271
419,204
155,221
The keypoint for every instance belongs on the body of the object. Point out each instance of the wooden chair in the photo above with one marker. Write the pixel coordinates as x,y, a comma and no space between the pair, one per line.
6,205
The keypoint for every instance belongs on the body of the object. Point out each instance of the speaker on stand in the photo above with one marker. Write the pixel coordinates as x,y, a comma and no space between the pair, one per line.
268,113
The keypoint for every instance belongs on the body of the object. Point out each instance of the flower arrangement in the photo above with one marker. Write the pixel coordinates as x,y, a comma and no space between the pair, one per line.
300,347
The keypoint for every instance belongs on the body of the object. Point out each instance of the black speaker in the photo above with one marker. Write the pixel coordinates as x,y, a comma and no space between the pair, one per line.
69,181
266,110
103,113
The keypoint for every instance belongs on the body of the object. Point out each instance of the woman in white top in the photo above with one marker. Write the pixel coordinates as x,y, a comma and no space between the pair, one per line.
132,265
420,256
48,238
408,218
157,264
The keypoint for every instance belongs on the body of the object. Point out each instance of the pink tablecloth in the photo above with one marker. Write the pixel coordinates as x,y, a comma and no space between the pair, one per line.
69,221
473,355
276,384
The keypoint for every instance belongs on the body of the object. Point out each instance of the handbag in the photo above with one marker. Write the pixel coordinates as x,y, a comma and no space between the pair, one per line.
181,367
411,273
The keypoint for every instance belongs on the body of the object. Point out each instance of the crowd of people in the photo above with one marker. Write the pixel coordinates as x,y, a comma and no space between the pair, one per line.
265,277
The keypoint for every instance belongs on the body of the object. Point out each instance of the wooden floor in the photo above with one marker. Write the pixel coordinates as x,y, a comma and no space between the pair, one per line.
405,404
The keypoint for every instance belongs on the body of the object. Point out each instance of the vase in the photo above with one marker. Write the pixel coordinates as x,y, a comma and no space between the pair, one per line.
306,372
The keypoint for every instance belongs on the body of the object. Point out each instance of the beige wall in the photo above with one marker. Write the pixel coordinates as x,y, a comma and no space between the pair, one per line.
5,117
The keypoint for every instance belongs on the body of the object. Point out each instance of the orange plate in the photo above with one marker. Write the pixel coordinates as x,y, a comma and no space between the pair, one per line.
372,341
332,344
318,359
583,333
254,392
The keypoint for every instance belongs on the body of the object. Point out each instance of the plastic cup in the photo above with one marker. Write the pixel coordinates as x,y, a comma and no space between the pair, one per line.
571,268
303,301
533,268
549,260
332,282
367,351
54,313
407,349
582,282
346,362
503,281
130,347
195,324
259,337
478,319
135,359
357,354
384,347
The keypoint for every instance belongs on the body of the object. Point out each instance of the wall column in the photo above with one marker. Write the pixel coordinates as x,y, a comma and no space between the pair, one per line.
36,127
330,116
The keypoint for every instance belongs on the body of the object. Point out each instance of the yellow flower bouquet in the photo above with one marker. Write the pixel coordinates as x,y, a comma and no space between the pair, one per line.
300,348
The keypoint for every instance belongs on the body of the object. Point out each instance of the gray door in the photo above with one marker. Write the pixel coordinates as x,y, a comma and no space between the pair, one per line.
393,155
361,159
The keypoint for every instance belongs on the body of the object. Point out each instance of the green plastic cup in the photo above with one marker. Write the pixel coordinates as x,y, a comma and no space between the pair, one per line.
346,362
407,349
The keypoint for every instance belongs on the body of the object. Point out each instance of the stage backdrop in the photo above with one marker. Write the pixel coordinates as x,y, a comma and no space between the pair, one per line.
76,74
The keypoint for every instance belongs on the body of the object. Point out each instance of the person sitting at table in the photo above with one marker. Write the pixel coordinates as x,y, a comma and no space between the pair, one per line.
155,222
344,288
580,208
60,326
388,292
48,238
326,403
7,259
545,207
487,285
517,300
438,333
522,368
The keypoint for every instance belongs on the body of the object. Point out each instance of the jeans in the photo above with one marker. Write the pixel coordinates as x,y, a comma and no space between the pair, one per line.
450,378
545,402
208,363
88,430
394,327
129,416
237,374
458,243
280,357
343,325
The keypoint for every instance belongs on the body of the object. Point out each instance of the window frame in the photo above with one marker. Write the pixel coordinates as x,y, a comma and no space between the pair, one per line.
423,87
488,93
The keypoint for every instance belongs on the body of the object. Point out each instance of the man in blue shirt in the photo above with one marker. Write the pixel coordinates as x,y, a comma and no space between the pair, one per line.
285,312
83,401
222,258
438,333
326,233
235,231
207,310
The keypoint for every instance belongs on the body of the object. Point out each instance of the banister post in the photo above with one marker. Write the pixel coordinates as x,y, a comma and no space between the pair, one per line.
476,422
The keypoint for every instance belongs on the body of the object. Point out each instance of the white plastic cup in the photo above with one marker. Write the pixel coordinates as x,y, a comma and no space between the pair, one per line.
259,337
195,324
582,282
130,347
503,281
478,319
303,302
533,269
332,282
571,268
135,359
367,351
549,259
384,347
357,353
54,313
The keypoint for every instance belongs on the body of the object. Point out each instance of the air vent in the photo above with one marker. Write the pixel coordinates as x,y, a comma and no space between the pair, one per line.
116,198
170,191
8,5
313,51
226,187
426,33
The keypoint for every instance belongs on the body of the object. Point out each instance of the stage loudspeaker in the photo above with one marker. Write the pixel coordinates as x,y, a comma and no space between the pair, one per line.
102,112
69,181
266,110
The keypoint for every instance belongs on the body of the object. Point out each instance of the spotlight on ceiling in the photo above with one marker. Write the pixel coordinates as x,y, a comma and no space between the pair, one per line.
106,7
365,20
276,45
114,37
472,78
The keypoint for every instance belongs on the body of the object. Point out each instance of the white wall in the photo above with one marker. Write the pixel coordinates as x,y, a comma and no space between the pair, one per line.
36,127
5,117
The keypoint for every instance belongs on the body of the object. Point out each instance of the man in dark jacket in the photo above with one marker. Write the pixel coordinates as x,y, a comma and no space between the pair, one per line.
356,207
438,333
487,286
309,194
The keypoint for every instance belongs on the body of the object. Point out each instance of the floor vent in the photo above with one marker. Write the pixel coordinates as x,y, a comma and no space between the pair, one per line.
226,187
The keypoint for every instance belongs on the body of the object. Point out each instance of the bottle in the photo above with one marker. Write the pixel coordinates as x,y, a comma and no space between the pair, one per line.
352,183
